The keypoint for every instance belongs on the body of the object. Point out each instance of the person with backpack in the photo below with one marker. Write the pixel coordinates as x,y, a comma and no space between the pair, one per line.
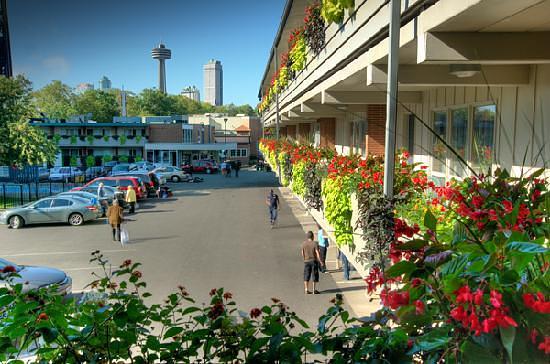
323,247
273,203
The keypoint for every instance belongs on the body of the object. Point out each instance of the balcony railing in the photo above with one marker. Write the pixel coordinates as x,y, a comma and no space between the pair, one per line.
100,141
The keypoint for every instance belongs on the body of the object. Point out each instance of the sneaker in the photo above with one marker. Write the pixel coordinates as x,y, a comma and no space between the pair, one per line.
307,292
316,292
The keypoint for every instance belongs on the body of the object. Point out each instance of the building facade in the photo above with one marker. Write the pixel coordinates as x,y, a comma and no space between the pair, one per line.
105,84
471,72
5,50
83,87
213,82
191,92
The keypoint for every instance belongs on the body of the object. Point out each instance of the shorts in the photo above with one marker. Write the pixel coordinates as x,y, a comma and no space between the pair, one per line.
311,269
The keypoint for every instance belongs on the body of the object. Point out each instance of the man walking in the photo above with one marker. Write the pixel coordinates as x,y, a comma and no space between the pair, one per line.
131,198
237,168
273,203
310,253
323,247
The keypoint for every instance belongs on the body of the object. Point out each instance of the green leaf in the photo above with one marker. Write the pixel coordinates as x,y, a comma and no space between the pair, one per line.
403,267
430,221
415,244
434,339
173,331
475,354
451,284
507,336
531,248
6,300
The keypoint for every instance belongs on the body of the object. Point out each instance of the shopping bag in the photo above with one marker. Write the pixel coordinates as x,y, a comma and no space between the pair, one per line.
124,237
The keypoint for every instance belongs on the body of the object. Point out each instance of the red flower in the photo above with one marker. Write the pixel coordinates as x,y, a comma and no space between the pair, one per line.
9,269
477,201
137,274
508,207
394,299
415,282
495,299
43,317
126,263
419,307
216,311
255,313
545,345
458,313
464,295
213,291
533,336
227,296
478,297
536,302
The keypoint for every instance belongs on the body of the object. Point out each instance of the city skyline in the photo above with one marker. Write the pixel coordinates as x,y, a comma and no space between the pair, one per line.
79,42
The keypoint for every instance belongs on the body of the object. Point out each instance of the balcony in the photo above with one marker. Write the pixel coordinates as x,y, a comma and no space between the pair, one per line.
101,141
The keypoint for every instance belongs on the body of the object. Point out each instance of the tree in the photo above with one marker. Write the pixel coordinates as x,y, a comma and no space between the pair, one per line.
156,103
103,105
55,100
20,142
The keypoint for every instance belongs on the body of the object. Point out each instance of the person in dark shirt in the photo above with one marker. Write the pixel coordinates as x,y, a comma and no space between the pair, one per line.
312,260
273,203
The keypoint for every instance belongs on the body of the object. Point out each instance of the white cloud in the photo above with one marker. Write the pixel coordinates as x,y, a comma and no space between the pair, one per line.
57,64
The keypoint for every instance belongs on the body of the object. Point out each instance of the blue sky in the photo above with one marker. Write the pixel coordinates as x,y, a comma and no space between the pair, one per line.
81,40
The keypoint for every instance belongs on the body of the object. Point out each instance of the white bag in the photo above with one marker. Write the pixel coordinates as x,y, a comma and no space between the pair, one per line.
124,237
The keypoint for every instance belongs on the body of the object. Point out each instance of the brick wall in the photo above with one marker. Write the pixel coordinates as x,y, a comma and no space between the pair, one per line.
291,131
328,132
282,132
376,129
165,133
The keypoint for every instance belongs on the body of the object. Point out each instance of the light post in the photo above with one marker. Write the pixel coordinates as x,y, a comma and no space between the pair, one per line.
225,137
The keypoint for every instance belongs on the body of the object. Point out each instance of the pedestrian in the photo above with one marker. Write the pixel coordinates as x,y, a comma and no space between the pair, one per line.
101,194
273,203
228,172
312,261
345,264
323,247
115,214
223,166
237,168
131,198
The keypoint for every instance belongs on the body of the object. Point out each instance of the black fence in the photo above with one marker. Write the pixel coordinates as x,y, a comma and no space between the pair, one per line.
13,195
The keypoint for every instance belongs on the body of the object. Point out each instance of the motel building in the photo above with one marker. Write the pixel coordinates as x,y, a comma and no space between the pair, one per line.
475,71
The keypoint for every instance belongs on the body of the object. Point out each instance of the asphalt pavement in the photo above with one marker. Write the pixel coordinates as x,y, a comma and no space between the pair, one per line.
209,235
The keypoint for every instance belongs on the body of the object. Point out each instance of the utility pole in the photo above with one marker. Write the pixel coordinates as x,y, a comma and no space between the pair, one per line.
391,103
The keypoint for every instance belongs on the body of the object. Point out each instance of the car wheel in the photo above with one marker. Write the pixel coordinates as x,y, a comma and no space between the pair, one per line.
16,222
208,171
76,219
175,179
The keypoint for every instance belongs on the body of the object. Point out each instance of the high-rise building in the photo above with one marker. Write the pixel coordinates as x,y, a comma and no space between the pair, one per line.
161,53
213,82
5,52
83,87
192,92
104,84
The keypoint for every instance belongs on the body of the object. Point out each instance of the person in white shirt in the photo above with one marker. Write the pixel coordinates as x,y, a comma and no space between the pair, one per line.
323,246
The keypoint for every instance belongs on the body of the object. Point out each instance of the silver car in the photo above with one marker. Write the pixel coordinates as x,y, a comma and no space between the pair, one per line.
72,210
32,277
173,174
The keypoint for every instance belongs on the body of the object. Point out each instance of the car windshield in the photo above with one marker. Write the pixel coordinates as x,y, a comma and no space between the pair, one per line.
5,263
125,183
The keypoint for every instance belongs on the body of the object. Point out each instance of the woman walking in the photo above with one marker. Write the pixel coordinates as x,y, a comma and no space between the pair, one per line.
131,198
115,216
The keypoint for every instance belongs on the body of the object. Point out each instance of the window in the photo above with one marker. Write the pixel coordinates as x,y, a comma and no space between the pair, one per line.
459,136
233,152
244,152
61,203
438,148
44,204
125,183
482,141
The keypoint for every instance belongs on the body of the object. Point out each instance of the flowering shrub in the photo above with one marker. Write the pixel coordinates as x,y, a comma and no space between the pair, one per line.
332,11
337,208
314,28
298,178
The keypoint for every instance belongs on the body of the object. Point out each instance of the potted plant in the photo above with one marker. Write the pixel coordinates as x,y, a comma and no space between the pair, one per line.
90,161
73,139
90,139
106,138
122,139
123,158
138,138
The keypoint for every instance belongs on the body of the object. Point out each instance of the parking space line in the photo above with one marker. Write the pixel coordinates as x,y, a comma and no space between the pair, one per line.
60,253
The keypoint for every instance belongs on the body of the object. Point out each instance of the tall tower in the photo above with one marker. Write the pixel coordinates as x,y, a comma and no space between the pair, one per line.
5,52
104,84
161,53
213,82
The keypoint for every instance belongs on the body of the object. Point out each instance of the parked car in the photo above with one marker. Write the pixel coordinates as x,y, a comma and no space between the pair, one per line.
43,174
84,195
72,210
108,166
150,185
201,166
142,166
66,174
33,277
120,168
111,193
121,182
93,172
173,174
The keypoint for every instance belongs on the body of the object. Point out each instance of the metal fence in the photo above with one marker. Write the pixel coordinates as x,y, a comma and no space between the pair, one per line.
13,195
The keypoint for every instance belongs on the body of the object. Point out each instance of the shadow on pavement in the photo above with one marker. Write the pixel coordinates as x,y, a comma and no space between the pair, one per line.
140,240
343,289
150,211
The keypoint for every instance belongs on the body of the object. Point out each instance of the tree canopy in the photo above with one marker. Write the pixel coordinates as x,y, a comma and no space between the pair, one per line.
101,104
21,143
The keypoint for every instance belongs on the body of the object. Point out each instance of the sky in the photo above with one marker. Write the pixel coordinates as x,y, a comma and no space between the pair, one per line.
81,40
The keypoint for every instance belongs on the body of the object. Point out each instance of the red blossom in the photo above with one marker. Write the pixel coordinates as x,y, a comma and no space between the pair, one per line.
43,317
213,291
9,269
545,345
394,299
255,313
227,296
419,307
536,302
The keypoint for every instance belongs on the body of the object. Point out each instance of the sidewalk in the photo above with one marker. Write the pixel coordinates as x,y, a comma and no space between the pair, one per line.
354,290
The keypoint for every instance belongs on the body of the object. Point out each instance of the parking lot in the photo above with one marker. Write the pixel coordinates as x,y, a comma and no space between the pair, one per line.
210,234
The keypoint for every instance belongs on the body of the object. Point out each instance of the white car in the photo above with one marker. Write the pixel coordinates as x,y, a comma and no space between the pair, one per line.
173,174
66,174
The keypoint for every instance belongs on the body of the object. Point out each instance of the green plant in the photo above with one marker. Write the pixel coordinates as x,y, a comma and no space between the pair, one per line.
73,139
107,158
73,161
283,159
298,178
90,161
123,158
138,158
106,138
90,139
298,54
337,208
56,138
122,139
314,28
138,138
332,11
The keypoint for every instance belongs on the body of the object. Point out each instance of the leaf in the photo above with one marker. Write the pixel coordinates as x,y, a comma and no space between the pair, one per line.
430,221
437,259
173,331
507,336
435,339
403,267
451,284
414,245
455,265
474,354
531,248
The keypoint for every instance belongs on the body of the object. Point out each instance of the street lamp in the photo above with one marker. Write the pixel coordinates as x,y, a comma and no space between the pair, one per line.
225,136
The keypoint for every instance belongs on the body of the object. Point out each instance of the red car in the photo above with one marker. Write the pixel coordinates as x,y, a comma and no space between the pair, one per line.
122,183
200,166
